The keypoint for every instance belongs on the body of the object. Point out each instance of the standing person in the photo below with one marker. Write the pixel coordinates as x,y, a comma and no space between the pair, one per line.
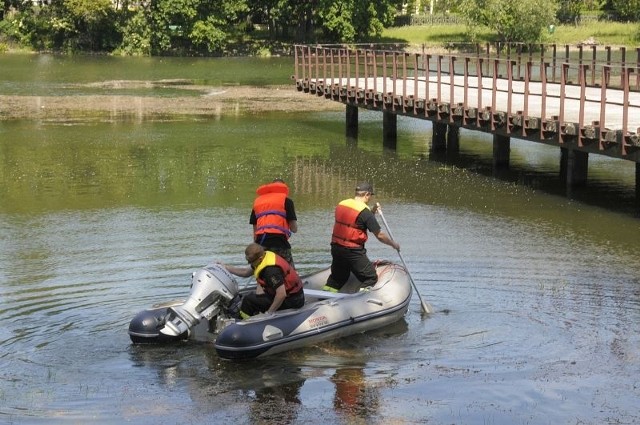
274,218
279,285
353,218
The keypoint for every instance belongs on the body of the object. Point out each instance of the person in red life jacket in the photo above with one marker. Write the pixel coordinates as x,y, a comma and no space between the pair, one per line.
274,218
279,285
353,218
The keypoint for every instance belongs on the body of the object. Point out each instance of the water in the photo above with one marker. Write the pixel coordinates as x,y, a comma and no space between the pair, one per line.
536,295
47,75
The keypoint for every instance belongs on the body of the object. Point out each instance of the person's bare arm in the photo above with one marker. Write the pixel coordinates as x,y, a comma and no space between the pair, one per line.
281,294
293,226
385,239
238,271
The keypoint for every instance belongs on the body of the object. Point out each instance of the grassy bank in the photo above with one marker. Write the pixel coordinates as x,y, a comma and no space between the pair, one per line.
602,33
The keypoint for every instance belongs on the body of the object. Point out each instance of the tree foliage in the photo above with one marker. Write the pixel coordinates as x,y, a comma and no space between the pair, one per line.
190,27
569,11
89,23
66,25
206,27
512,21
626,10
349,20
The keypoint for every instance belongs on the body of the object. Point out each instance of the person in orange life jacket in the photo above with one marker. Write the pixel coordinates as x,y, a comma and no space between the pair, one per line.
353,218
274,218
279,285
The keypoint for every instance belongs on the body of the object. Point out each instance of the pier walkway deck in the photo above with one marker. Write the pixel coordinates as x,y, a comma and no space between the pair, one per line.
588,105
581,104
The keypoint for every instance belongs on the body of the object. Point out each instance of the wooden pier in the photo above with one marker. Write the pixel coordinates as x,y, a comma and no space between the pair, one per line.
582,101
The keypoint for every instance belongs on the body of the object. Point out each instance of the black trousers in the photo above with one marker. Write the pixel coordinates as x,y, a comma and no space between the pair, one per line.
350,260
284,253
276,243
253,303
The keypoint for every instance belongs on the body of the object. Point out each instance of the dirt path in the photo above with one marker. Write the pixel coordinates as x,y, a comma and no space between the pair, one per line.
227,100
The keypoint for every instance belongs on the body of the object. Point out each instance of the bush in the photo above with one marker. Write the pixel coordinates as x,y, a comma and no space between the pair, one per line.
512,21
626,10
570,11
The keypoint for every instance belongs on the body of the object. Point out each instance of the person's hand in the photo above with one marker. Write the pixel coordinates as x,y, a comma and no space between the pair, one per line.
396,246
376,207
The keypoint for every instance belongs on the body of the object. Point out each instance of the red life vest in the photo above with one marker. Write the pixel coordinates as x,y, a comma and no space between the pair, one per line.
345,231
292,282
270,211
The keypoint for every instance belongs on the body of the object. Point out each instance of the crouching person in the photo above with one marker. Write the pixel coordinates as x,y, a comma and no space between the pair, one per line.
279,285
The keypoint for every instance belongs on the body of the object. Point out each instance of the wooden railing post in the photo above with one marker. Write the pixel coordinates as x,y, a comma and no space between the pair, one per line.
563,85
452,86
625,71
479,111
543,101
606,72
583,90
525,110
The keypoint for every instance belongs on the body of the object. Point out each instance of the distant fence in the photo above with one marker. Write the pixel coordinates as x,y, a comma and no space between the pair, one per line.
405,20
453,19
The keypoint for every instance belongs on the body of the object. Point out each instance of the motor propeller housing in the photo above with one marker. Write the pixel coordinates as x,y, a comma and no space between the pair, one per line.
145,327
212,288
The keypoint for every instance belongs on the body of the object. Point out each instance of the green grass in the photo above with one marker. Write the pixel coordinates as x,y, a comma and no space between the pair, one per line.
605,33
602,33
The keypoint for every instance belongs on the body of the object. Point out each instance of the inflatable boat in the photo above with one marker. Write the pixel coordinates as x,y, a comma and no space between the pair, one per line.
210,313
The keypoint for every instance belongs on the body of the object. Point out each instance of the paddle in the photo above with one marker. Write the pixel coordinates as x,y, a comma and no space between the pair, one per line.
426,308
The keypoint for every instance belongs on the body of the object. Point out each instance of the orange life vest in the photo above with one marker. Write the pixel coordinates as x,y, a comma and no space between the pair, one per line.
345,231
292,282
270,211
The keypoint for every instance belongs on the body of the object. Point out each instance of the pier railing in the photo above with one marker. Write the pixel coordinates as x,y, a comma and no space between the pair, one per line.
589,97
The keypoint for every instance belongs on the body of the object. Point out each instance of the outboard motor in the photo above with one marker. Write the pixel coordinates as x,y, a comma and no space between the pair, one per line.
213,288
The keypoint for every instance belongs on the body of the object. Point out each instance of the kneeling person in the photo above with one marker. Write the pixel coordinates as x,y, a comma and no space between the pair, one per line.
279,286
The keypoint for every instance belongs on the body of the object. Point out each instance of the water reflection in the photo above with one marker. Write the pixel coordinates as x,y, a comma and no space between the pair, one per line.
356,401
108,219
270,391
277,403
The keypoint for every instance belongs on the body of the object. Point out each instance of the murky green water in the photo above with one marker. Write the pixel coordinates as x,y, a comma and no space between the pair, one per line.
537,296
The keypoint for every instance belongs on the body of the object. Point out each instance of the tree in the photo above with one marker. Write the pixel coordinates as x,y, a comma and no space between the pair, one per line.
192,26
570,11
67,25
44,28
626,10
512,21
13,5
136,34
92,24
325,20
354,20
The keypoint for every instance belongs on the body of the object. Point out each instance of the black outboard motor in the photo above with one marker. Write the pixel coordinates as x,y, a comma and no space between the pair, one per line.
213,289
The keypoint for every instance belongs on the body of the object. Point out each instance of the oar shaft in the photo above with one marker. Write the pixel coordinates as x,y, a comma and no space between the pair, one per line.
426,308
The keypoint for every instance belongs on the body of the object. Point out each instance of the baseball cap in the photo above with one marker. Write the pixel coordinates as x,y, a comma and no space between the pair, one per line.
365,187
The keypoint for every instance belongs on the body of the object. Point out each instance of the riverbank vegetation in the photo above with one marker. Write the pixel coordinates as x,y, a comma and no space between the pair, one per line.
263,27
588,33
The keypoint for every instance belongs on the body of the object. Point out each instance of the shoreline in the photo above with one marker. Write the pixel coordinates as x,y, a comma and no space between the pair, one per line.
215,102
